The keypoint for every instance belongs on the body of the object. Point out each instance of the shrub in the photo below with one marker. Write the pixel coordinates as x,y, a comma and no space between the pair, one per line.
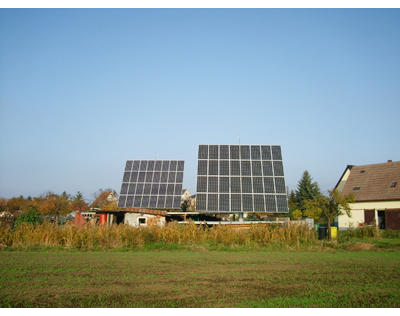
360,232
296,214
31,215
388,233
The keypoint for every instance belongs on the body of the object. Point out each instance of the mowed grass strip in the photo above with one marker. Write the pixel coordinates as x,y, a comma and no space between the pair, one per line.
184,278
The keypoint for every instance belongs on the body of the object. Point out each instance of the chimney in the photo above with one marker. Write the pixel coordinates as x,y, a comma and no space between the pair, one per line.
389,160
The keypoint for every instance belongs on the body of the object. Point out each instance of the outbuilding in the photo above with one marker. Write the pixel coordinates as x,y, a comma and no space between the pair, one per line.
130,216
143,217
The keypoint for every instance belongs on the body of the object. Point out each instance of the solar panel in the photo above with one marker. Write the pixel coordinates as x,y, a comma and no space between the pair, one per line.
152,184
240,178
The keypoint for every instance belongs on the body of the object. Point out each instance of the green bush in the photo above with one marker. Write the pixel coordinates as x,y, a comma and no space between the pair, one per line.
31,215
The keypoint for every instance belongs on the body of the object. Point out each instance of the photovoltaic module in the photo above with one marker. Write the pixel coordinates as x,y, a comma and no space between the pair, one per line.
240,178
152,184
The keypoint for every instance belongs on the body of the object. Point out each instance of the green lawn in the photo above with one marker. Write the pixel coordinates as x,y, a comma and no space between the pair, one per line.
200,278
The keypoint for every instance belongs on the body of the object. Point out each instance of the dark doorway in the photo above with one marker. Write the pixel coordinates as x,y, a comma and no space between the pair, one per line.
120,218
381,220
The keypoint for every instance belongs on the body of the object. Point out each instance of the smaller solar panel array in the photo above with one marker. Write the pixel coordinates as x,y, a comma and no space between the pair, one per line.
152,184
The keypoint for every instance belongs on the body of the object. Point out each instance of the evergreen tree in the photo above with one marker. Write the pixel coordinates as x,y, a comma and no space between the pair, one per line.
65,196
293,205
306,190
78,202
78,196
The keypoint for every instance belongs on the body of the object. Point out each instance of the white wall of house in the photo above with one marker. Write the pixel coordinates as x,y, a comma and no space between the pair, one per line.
357,212
343,180
136,219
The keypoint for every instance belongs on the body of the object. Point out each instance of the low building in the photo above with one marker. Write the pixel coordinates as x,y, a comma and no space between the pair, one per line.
376,190
129,216
144,217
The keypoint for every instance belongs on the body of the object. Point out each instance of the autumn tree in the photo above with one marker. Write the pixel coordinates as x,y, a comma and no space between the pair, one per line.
16,204
332,206
311,209
3,205
55,205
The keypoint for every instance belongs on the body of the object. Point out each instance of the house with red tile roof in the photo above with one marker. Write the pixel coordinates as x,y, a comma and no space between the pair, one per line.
376,191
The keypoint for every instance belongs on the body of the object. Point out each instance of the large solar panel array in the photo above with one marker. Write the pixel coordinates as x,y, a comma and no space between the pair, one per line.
152,184
240,178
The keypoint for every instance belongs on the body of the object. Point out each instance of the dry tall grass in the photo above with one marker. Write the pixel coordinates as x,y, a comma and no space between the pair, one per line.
100,237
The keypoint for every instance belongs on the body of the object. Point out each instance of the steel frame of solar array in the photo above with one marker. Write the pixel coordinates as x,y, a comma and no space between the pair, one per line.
152,184
240,178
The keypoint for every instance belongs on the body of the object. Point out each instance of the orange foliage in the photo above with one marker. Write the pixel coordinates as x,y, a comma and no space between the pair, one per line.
54,205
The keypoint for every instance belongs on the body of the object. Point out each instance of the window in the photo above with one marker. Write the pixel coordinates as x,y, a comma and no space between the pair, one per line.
362,171
356,188
393,184
142,221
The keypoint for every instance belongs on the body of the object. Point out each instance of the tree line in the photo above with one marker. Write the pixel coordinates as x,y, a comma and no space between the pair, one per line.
54,205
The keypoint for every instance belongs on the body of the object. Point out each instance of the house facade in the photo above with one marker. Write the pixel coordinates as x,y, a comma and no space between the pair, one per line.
376,190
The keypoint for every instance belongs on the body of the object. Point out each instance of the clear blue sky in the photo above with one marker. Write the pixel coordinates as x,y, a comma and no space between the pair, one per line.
82,91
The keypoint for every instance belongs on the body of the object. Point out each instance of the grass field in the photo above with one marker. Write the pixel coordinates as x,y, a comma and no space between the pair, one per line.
200,278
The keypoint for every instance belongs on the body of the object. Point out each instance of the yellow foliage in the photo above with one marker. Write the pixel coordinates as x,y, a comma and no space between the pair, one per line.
312,209
110,206
296,214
